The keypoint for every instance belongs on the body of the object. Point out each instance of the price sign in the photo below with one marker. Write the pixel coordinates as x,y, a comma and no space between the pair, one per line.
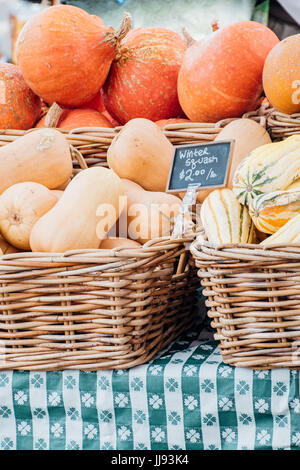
204,165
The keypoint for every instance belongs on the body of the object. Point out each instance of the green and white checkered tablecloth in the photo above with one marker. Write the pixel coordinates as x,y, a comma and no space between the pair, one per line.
185,399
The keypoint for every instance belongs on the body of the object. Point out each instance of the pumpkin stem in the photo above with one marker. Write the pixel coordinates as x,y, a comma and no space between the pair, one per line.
188,38
53,115
50,3
215,25
124,27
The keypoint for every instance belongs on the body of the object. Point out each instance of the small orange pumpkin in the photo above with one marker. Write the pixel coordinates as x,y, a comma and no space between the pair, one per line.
221,76
281,77
143,77
65,54
79,117
19,106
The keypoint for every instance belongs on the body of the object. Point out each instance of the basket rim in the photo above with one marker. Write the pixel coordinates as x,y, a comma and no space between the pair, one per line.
201,249
123,256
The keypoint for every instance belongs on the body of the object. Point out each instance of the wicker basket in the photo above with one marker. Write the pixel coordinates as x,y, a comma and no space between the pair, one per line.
253,296
253,293
92,143
99,309
94,309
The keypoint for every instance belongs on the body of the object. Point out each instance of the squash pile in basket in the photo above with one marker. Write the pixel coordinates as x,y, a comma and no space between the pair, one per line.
265,198
142,78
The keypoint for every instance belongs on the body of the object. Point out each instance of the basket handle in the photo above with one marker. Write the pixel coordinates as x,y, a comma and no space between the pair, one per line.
81,161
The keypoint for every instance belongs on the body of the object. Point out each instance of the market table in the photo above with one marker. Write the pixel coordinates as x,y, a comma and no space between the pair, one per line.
186,398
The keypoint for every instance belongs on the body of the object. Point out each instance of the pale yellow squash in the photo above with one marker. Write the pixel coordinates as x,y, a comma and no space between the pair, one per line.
63,186
6,248
247,136
150,214
91,199
141,153
21,206
42,156
118,242
57,193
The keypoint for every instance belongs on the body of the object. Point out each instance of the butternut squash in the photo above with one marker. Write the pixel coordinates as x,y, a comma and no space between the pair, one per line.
111,243
247,135
63,186
149,214
6,248
225,220
271,167
57,193
271,211
73,223
21,206
42,156
141,153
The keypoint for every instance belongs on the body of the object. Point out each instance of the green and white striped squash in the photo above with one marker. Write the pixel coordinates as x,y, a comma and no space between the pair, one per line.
268,168
224,219
271,211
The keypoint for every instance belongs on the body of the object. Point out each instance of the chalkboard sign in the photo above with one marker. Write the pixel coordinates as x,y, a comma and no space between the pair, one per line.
203,165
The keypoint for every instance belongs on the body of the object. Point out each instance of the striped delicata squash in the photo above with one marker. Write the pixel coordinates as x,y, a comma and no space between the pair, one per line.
268,168
224,219
294,185
289,233
271,211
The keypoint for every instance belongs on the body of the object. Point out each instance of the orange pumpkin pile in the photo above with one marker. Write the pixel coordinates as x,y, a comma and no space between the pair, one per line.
19,106
144,79
67,56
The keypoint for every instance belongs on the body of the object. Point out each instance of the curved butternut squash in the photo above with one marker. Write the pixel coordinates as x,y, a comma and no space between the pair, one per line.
42,156
247,135
111,243
6,248
141,153
73,222
149,214
63,186
21,206
57,193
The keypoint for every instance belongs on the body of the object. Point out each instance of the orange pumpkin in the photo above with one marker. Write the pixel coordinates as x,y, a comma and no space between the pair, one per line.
97,104
79,117
221,76
19,106
143,77
281,77
65,54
